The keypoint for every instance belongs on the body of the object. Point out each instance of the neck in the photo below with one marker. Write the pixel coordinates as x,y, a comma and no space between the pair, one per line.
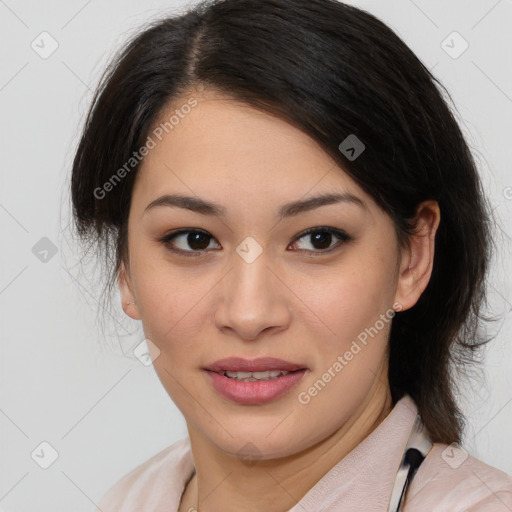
276,484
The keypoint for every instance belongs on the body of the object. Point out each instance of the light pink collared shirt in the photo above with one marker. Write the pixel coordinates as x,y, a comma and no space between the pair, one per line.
448,480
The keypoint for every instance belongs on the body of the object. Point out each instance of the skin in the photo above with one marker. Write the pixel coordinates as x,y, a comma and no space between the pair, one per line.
292,302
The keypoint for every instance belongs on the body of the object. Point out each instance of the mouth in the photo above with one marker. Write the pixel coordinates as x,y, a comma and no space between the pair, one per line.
254,381
255,376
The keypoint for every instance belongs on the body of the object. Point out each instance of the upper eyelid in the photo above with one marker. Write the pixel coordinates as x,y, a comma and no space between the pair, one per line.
337,232
183,231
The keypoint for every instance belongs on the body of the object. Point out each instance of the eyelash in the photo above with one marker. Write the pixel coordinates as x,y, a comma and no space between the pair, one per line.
344,237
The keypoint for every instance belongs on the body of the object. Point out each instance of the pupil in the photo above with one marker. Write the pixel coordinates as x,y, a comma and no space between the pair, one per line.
322,238
194,240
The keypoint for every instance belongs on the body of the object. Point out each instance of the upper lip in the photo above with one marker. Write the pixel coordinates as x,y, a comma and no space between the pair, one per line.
261,364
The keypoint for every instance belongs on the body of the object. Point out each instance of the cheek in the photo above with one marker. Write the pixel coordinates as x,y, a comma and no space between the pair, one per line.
351,298
172,301
170,310
356,305
172,315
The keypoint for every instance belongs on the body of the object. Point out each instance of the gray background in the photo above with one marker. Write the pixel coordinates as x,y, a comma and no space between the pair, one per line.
70,383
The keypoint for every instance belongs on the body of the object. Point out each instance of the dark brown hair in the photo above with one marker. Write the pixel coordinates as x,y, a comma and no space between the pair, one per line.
332,70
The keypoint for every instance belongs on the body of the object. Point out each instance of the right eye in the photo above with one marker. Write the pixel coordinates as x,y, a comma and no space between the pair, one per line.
197,240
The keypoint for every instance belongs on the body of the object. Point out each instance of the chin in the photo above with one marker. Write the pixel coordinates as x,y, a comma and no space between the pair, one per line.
252,444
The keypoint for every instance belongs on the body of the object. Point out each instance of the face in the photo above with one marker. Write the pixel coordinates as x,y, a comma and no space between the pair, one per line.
312,284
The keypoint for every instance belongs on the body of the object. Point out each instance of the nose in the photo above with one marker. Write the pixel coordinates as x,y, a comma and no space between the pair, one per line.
252,300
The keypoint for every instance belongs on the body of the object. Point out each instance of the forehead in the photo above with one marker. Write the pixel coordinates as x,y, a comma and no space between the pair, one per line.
223,147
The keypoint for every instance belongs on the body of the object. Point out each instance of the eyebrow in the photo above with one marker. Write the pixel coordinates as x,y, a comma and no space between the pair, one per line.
198,205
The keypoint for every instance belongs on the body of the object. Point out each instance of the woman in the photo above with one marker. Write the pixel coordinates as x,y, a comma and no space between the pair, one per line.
298,223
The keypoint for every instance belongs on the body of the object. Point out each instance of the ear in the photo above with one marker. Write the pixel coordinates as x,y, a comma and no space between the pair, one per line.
128,301
417,259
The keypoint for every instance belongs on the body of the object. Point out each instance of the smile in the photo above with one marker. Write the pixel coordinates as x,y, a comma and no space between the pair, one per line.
255,387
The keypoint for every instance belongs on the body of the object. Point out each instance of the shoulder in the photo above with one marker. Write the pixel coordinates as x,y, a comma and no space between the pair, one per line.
158,479
449,479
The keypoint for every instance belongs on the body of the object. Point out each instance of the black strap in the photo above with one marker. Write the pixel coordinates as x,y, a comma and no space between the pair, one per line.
413,458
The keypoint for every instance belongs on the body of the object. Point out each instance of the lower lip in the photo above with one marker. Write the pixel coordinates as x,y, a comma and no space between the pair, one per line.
255,392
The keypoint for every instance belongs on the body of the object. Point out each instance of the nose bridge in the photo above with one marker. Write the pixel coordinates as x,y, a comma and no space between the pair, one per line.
250,285
252,300
250,274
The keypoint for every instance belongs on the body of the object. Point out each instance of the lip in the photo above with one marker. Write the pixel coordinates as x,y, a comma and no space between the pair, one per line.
261,364
254,392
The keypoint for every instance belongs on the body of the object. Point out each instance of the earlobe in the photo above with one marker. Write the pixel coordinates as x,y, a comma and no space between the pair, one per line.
418,258
128,301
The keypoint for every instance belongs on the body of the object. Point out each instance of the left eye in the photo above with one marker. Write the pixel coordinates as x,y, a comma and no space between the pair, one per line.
321,239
